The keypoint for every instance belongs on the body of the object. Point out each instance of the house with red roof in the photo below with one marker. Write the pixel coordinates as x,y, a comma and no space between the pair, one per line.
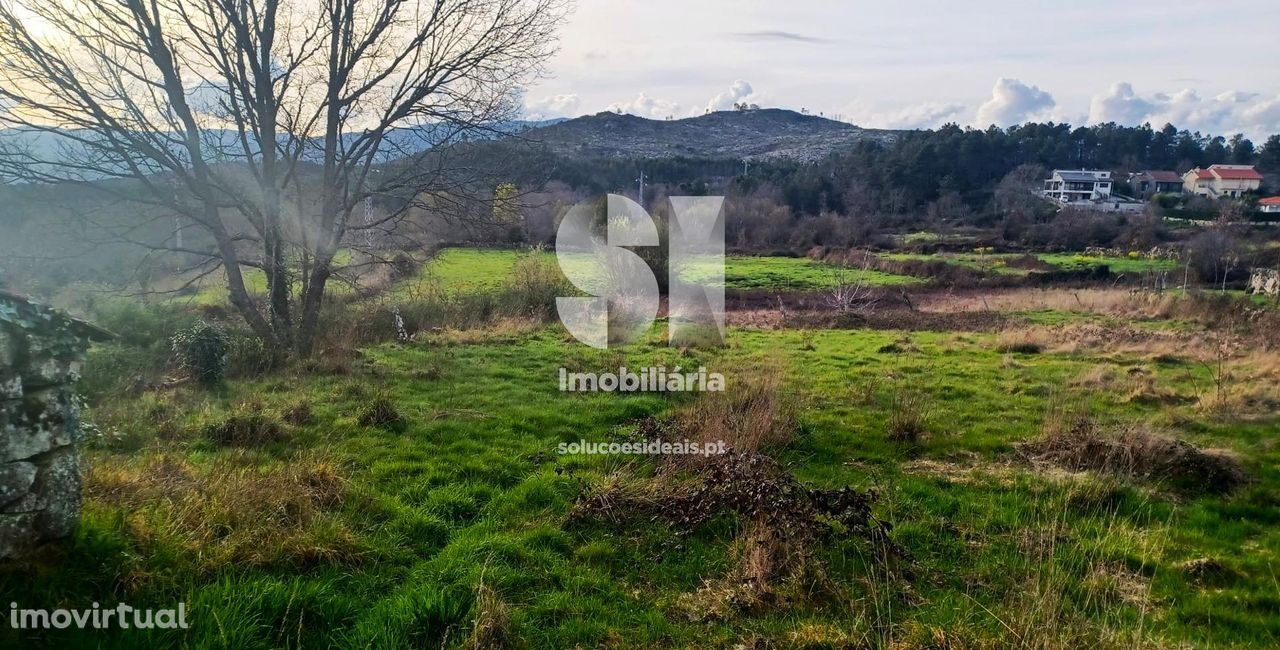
1270,205
1222,181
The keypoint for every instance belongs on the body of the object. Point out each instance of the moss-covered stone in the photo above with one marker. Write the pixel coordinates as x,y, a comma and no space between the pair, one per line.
40,354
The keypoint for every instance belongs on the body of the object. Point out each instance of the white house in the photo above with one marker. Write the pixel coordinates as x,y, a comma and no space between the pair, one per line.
1078,186
1270,205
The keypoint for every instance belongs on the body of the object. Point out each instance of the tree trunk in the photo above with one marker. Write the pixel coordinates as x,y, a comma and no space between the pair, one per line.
312,301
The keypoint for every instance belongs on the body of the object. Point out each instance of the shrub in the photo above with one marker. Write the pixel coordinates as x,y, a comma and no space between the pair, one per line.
403,266
115,368
137,359
249,356
535,283
141,325
201,351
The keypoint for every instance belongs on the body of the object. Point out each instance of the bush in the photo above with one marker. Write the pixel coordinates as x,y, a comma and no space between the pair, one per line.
535,284
114,368
141,325
138,357
249,356
201,351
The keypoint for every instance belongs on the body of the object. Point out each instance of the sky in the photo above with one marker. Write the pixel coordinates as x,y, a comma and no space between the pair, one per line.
1202,65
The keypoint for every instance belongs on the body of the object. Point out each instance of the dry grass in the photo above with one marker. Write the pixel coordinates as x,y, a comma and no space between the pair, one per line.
299,413
1099,377
1143,390
909,414
1023,341
491,628
1233,377
755,412
502,330
1043,613
1156,346
229,512
248,425
1071,439
1120,302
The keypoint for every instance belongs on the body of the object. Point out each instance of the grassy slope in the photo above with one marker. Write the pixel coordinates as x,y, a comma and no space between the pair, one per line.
471,491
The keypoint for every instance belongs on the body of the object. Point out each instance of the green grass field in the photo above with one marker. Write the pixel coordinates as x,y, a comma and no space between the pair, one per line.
999,262
468,270
797,273
411,495
468,492
1071,261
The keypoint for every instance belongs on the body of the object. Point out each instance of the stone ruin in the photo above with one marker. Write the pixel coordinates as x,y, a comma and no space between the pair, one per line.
1265,282
40,354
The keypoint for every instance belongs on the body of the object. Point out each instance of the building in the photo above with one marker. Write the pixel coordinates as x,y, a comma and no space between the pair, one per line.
1270,205
1222,181
1078,186
1147,183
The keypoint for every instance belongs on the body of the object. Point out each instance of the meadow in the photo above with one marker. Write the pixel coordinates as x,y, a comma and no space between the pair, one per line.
410,495
460,271
1007,263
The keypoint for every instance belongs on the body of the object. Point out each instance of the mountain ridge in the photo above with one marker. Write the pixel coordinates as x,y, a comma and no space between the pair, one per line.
753,134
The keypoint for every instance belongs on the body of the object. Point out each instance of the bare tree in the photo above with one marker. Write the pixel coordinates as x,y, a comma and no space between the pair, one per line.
849,289
267,124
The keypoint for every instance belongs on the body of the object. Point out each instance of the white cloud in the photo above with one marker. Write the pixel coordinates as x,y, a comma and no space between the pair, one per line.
738,92
1014,102
552,106
1120,105
1231,112
926,115
646,106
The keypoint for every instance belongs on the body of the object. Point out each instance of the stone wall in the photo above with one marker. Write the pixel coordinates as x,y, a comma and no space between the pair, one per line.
40,354
1265,282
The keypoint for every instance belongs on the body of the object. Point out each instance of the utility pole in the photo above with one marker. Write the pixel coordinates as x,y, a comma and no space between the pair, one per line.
745,166
641,181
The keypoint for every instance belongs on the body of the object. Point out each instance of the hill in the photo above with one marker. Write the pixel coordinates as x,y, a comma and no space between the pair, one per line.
755,134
